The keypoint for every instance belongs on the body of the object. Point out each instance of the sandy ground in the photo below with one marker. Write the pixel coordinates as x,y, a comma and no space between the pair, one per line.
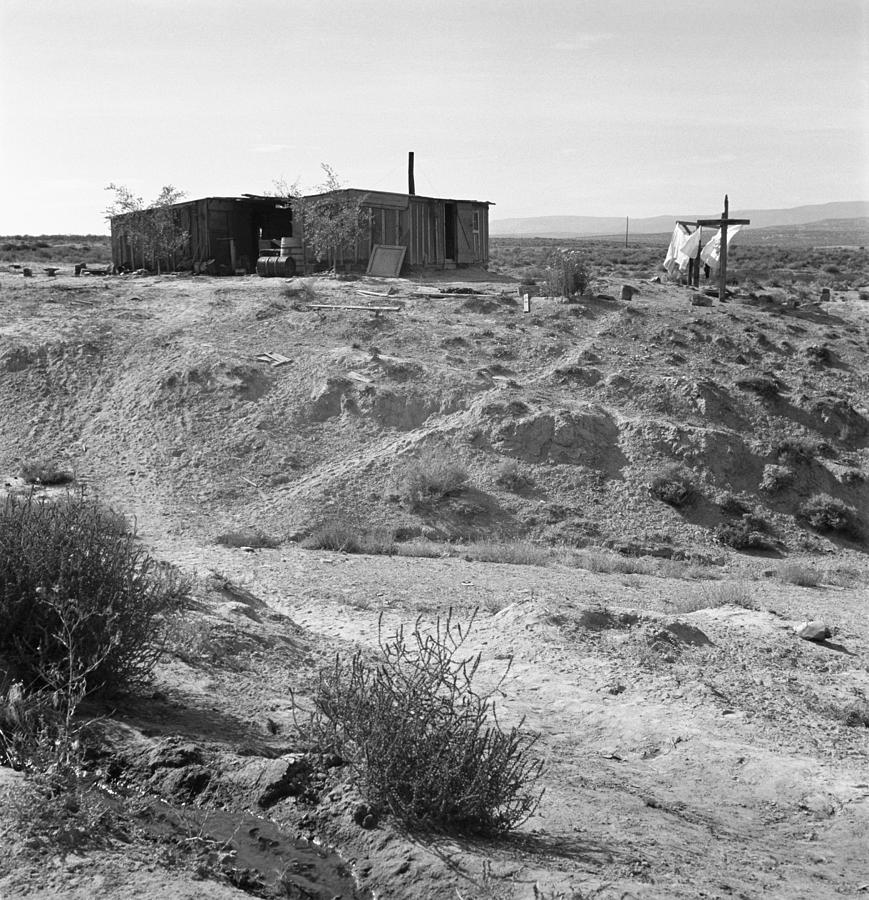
688,754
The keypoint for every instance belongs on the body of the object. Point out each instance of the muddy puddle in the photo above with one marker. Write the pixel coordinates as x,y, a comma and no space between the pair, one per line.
252,854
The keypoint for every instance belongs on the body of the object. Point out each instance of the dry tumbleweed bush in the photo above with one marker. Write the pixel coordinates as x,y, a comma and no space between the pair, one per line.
426,745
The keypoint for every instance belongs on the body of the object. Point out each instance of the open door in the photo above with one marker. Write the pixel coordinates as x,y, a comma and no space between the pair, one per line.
450,232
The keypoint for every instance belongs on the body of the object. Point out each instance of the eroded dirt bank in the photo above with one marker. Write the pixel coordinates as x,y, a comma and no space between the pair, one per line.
689,753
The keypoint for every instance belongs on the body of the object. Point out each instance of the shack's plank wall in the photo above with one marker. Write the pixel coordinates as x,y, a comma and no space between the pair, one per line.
411,221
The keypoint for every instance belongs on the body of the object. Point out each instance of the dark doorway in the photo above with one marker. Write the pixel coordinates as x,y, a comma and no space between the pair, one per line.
449,231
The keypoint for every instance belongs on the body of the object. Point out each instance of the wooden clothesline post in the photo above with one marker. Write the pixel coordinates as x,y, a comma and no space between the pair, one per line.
722,223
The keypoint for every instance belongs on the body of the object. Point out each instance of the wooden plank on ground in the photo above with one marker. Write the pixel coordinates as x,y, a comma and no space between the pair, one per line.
374,309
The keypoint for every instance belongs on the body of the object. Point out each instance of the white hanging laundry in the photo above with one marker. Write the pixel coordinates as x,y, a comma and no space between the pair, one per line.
673,260
689,249
711,253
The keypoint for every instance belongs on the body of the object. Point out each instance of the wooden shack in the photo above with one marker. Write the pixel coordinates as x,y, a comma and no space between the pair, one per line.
221,234
224,235
438,233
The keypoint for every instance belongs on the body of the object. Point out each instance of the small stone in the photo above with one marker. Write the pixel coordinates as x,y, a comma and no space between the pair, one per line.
700,300
813,631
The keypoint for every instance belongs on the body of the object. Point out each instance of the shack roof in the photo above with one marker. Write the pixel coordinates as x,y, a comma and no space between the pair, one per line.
388,199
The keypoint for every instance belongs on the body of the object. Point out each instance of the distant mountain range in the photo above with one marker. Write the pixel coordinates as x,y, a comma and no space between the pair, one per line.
573,226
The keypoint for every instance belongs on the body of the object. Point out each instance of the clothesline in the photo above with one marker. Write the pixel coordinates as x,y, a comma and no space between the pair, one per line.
684,245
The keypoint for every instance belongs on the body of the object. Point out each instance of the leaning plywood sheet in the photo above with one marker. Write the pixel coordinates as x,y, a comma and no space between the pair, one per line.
386,260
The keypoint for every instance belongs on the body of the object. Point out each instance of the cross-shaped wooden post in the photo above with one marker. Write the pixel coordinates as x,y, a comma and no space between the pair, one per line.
722,223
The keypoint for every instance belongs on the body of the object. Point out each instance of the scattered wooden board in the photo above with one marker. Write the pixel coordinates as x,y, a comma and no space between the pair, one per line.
374,309
386,260
448,296
275,359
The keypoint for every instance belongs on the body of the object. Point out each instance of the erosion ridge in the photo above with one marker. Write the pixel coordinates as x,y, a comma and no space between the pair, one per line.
153,391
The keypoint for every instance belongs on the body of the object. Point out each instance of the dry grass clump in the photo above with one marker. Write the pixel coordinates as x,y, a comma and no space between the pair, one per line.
776,478
432,476
425,743
830,515
347,538
799,574
510,476
800,451
853,476
725,593
248,537
748,533
44,472
520,553
674,485
300,292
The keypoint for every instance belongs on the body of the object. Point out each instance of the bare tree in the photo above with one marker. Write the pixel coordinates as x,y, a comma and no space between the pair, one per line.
331,219
154,228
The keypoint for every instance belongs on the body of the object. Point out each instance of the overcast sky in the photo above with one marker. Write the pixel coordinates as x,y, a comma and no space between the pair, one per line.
550,107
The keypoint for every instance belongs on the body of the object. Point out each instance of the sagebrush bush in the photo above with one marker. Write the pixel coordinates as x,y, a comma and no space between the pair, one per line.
733,505
746,533
44,472
347,538
248,537
674,486
430,477
796,573
776,478
830,515
79,598
726,593
509,475
797,450
425,743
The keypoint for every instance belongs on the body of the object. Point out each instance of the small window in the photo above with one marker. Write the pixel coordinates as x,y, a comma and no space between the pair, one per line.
476,221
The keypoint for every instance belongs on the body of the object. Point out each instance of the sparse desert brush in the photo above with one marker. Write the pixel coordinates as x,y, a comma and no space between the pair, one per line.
853,476
424,742
348,538
675,486
520,553
830,515
733,505
56,807
748,533
432,476
248,537
713,596
44,472
606,562
509,475
799,574
78,595
300,291
776,478
819,355
797,450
